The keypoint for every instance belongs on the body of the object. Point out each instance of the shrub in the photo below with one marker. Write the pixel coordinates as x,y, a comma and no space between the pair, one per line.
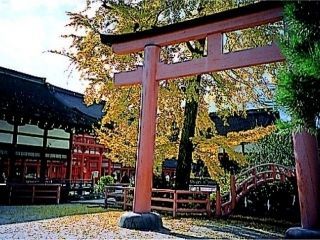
269,150
103,181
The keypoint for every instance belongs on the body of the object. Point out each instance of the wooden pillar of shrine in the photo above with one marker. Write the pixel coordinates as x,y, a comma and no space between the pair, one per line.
147,132
43,159
100,161
68,175
2,170
109,167
38,168
49,169
23,169
12,155
82,162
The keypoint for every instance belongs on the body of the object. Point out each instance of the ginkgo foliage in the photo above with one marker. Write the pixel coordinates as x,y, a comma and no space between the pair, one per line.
208,149
183,104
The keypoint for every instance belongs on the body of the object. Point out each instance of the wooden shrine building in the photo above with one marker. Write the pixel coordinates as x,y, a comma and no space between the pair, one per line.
42,129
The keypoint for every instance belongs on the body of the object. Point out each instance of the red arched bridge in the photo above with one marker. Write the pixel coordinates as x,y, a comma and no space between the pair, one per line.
249,179
197,199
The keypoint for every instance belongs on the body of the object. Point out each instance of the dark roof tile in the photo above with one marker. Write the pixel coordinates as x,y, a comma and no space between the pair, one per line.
27,98
255,118
109,39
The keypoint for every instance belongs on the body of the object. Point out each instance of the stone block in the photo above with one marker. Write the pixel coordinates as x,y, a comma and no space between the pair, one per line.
141,221
302,233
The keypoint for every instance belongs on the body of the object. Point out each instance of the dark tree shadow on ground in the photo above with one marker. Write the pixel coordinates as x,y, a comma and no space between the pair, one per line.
219,231
243,232
178,235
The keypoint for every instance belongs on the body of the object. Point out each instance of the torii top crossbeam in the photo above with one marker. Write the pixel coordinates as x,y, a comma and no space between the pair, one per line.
210,27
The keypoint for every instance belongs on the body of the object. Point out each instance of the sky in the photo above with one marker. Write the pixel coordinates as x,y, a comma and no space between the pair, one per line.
29,28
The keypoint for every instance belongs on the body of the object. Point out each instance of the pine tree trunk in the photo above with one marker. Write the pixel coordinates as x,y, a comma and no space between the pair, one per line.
186,146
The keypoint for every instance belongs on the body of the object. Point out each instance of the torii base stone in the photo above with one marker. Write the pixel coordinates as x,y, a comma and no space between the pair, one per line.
144,221
302,233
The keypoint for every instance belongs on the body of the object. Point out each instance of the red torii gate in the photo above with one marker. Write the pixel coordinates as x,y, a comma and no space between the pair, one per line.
211,27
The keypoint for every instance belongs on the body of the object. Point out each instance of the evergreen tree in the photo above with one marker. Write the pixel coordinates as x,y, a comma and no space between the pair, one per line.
299,93
268,150
299,83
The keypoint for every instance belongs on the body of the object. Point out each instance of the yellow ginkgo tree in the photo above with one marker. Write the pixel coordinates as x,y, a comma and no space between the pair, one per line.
183,104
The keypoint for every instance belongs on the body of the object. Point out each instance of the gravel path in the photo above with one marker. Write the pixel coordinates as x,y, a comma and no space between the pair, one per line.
104,226
71,228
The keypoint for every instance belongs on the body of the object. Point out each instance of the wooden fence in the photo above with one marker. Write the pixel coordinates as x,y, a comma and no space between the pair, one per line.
32,193
198,202
163,200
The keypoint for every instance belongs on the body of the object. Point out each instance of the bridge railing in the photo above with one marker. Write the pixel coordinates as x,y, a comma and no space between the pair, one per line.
262,173
251,178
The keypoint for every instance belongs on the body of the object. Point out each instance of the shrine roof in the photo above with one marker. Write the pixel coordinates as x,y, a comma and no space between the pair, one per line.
76,101
170,163
255,118
110,39
28,99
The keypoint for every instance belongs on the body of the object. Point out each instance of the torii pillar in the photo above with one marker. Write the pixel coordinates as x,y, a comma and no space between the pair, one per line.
210,27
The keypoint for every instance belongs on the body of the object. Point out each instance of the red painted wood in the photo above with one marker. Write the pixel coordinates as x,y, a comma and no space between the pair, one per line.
85,146
215,46
109,167
146,141
68,174
213,63
254,176
233,191
245,58
175,207
308,178
250,183
125,194
100,163
184,35
273,174
128,78
91,156
218,202
82,164
154,71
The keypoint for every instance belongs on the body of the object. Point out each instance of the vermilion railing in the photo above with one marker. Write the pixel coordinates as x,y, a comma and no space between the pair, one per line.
163,200
198,202
251,178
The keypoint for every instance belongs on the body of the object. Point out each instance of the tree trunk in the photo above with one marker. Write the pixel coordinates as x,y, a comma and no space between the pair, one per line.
186,146
308,178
